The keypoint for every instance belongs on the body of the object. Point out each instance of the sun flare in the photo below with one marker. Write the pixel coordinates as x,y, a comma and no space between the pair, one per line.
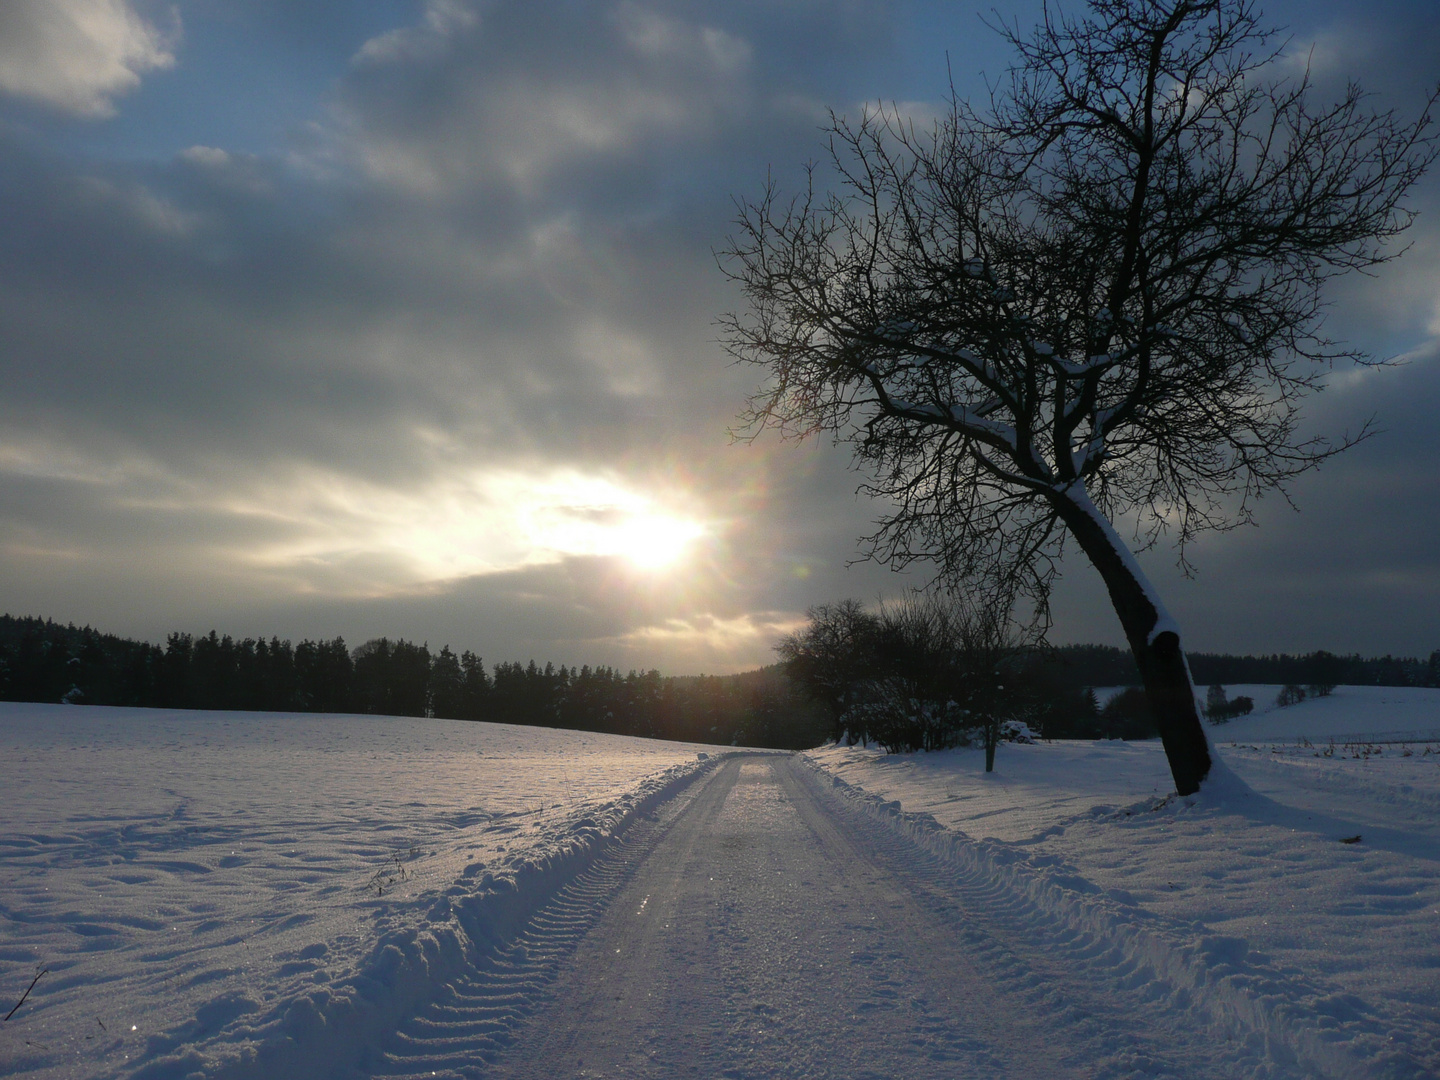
656,541
592,516
485,523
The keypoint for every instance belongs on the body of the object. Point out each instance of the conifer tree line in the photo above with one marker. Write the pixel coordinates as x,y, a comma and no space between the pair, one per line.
41,660
1101,665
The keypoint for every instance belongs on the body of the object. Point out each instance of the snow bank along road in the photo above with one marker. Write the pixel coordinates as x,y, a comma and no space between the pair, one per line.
559,904
775,922
200,885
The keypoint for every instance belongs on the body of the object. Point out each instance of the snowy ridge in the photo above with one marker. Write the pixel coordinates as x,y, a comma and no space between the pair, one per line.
343,1027
1280,1022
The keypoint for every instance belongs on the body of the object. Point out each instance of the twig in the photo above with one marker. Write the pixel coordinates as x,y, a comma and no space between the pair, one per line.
25,995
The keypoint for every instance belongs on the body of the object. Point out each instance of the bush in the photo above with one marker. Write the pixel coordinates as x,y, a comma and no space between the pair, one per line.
1217,708
1219,711
1289,695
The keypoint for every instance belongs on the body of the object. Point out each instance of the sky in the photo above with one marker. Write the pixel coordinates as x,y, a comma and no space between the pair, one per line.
395,317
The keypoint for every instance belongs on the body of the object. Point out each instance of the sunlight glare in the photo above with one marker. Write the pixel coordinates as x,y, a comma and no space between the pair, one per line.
368,538
655,541
593,516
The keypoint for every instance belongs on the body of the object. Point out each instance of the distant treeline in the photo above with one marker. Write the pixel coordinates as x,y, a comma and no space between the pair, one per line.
1103,665
41,660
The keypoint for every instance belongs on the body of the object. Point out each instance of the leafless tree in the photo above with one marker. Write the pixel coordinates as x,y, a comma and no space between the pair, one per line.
832,657
946,669
1098,299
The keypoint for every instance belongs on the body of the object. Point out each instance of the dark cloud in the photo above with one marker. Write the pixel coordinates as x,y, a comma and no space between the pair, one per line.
330,387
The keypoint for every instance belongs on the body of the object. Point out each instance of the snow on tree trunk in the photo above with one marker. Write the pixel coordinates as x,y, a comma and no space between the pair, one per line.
1153,636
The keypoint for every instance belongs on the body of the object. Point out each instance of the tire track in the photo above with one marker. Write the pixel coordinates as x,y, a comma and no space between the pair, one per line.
766,923
777,951
1095,1004
469,1023
1162,999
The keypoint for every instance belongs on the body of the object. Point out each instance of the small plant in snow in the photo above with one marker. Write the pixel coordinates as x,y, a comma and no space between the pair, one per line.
393,871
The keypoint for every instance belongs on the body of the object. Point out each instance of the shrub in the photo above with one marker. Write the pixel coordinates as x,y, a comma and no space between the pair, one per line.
1290,694
1217,708
1219,711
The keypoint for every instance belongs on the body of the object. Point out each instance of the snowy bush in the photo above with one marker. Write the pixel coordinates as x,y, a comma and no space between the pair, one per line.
1018,731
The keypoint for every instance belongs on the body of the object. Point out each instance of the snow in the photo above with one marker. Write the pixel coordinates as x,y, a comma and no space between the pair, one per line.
977,420
961,414
1164,621
201,878
1350,714
245,895
1251,896
1098,362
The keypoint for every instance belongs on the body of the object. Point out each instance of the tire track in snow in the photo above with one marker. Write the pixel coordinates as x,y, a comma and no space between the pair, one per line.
772,923
758,941
472,1019
1093,1003
1197,993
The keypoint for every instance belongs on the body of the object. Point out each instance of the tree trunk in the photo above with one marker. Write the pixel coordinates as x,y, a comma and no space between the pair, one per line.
992,736
1156,646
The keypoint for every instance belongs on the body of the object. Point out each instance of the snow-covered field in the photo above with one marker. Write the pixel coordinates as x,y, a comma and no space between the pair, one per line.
180,874
268,891
1317,866
1351,714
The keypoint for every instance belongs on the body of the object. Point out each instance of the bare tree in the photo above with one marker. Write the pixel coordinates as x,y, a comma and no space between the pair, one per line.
832,657
919,676
946,670
1100,299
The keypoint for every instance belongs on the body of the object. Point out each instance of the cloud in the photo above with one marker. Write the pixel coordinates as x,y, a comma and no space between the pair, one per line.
706,643
511,98
206,157
77,55
438,365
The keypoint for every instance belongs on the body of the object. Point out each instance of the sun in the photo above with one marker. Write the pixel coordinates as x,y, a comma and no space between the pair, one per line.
654,541
597,516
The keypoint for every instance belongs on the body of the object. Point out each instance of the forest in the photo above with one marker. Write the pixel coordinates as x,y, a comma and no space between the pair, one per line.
46,661
43,660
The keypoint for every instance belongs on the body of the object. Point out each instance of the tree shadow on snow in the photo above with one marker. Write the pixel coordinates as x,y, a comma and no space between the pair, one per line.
1224,790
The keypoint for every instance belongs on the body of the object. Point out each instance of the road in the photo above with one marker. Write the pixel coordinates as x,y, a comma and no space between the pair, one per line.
753,929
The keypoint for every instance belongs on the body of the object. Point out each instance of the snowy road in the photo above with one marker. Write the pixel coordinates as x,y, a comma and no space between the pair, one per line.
758,927
258,897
